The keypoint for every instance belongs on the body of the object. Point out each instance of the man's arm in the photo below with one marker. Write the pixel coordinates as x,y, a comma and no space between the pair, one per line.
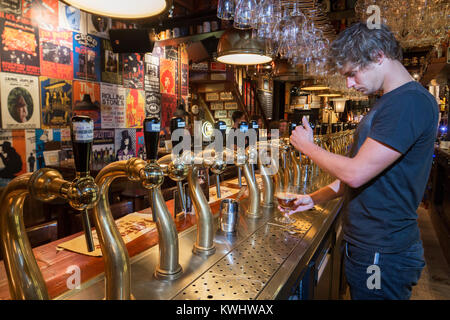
327,193
372,158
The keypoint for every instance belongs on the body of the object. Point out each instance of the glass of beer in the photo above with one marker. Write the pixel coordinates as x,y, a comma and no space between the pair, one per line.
286,196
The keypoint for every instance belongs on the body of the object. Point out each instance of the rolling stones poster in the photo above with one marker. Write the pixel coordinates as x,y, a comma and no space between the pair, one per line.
151,75
112,106
56,102
46,140
56,54
168,107
19,45
167,76
125,143
17,154
84,90
86,57
103,146
11,6
152,104
99,26
19,101
110,64
43,13
71,18
133,70
135,104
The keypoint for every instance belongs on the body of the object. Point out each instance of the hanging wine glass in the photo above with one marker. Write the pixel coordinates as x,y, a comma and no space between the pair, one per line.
225,9
244,15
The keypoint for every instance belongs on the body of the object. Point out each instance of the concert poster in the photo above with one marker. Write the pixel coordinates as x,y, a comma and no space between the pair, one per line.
168,107
92,90
151,76
56,102
56,54
99,26
86,57
11,6
43,13
46,140
112,106
111,72
140,144
167,76
133,70
135,104
103,146
152,104
71,18
125,143
19,101
19,45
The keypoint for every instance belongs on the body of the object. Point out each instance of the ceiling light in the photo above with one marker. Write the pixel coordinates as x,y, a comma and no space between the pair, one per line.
129,9
239,47
329,95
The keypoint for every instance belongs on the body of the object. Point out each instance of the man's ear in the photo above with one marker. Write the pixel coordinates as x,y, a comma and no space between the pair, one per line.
379,57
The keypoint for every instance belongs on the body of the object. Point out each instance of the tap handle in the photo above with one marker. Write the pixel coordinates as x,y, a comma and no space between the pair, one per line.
82,134
222,127
152,126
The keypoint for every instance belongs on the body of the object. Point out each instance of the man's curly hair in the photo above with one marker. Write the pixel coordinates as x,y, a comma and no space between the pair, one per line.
359,46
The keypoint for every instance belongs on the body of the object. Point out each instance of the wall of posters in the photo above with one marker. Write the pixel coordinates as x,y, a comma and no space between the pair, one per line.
135,104
112,106
110,64
125,143
103,146
19,45
82,88
20,101
56,102
86,57
133,71
151,75
56,52
167,76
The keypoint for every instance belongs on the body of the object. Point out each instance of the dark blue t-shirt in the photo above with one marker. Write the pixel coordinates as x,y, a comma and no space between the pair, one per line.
381,215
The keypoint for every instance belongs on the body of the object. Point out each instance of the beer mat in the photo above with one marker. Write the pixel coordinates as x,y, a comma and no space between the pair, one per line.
225,192
130,227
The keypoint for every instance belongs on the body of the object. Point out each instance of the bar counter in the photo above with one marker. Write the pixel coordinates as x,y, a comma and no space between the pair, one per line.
261,260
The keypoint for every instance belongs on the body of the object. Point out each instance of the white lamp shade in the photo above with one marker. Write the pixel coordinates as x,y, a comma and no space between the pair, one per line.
122,9
339,105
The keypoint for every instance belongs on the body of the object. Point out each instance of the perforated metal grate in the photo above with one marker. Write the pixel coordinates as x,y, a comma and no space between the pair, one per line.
245,270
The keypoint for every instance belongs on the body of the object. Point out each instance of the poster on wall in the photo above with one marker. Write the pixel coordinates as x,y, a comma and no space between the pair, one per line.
17,154
56,54
135,104
140,144
86,57
56,102
43,13
184,79
11,6
151,74
71,18
112,106
103,146
19,101
167,76
99,26
84,90
152,104
46,140
110,64
133,70
19,45
125,143
168,106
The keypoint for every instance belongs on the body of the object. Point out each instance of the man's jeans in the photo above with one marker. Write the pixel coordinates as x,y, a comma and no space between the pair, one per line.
373,275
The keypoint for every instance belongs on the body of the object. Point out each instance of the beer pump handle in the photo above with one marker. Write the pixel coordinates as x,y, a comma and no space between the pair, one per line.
151,136
82,134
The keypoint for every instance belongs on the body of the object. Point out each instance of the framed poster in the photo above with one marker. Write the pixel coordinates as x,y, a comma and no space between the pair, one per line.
133,71
56,52
110,64
151,74
82,88
56,102
216,105
86,57
167,76
19,101
135,104
112,106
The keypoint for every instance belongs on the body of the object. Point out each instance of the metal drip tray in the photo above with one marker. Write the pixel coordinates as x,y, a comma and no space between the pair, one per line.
245,270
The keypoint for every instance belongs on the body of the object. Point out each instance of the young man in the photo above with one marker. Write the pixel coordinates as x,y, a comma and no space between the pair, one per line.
383,178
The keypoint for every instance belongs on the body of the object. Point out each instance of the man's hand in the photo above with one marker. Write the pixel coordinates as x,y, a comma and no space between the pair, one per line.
303,203
302,135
